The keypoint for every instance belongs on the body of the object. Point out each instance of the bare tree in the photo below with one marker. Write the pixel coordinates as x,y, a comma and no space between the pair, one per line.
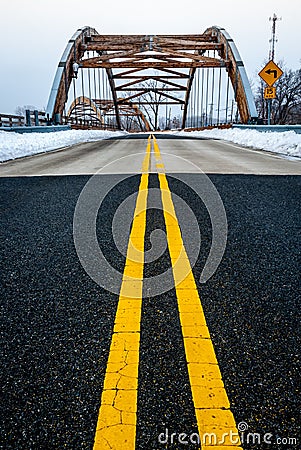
154,96
288,99
20,110
149,101
150,97
286,107
295,114
260,102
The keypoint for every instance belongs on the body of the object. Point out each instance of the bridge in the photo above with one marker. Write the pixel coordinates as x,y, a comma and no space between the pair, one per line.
130,81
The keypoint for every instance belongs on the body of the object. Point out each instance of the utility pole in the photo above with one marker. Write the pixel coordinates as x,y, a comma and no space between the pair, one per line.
273,40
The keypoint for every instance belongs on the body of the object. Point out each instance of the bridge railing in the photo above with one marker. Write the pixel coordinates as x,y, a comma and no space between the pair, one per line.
31,119
35,118
10,120
84,124
210,127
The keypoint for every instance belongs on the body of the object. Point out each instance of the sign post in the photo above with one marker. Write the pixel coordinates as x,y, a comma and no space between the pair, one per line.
270,74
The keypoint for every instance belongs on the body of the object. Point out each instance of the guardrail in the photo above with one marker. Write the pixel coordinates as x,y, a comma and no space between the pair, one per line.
210,127
35,118
9,120
275,128
38,122
31,119
82,124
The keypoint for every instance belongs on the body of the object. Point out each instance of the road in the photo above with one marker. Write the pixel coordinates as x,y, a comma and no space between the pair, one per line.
211,156
112,351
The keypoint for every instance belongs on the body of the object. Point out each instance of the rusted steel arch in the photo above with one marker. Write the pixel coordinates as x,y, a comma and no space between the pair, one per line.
137,112
126,108
230,58
237,73
63,77
101,108
85,101
169,54
175,57
73,52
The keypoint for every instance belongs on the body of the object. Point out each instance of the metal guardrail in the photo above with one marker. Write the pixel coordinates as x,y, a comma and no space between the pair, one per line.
33,122
82,124
275,128
35,118
210,127
31,119
9,120
41,129
37,121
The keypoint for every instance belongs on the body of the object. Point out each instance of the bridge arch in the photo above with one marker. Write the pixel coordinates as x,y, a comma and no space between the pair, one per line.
74,52
85,112
237,74
82,106
154,70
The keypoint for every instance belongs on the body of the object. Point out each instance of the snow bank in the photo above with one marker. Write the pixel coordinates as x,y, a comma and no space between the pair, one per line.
286,143
15,145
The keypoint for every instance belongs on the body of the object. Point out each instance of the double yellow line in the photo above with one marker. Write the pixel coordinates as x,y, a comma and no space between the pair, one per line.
116,426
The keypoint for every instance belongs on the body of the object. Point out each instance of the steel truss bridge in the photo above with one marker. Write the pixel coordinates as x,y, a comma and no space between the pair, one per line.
137,82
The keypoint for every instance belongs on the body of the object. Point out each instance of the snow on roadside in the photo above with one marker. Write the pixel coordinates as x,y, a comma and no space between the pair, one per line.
15,145
286,143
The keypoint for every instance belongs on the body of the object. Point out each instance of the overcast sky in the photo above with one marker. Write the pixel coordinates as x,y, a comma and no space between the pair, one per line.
35,33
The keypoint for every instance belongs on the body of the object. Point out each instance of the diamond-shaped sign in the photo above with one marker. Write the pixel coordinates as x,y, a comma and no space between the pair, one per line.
270,73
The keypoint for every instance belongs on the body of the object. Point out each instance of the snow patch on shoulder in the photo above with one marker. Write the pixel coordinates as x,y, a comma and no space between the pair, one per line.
16,145
286,143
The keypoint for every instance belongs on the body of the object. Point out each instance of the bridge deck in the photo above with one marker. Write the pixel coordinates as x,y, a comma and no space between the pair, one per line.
162,359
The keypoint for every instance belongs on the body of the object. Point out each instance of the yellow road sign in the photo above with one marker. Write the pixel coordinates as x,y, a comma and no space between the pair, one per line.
270,73
270,92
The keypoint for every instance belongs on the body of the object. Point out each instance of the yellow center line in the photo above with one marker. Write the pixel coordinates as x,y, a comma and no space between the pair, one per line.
216,424
116,425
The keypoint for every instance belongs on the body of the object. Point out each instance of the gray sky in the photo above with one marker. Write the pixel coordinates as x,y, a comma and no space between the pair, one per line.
35,33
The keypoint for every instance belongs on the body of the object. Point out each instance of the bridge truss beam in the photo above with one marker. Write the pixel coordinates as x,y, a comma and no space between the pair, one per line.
84,111
161,69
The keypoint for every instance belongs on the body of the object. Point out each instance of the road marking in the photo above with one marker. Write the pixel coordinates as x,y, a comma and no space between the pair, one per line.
116,425
216,424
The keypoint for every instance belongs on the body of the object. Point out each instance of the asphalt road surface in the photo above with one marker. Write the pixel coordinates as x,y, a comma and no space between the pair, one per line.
58,324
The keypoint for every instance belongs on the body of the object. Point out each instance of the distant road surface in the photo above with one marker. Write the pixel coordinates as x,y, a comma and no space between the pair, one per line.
211,156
